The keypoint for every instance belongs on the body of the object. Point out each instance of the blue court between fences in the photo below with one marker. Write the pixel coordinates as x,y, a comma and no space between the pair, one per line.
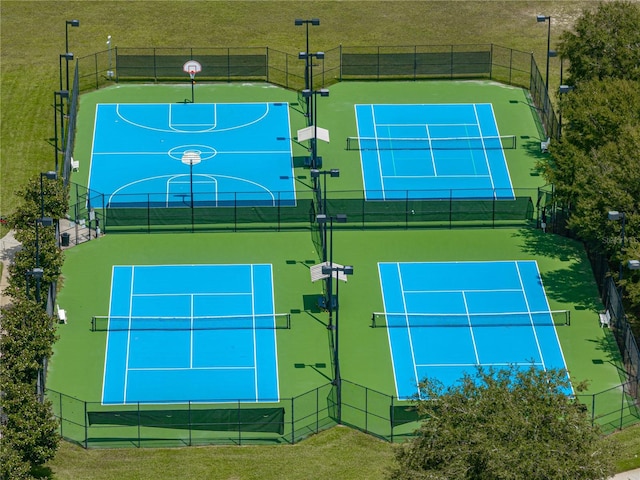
445,319
432,152
179,155
199,333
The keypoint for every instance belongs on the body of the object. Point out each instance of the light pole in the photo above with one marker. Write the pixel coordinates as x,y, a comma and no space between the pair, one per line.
191,158
73,23
562,90
337,378
299,22
315,173
45,222
614,216
323,219
67,56
110,70
62,94
542,19
314,121
50,175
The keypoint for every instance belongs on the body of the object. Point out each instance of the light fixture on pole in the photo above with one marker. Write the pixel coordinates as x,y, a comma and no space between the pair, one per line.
73,23
191,158
323,219
314,139
110,69
45,222
615,216
562,90
337,378
67,56
333,173
542,19
58,147
299,22
50,175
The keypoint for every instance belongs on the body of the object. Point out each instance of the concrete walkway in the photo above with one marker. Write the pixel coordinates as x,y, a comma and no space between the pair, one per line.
630,475
8,248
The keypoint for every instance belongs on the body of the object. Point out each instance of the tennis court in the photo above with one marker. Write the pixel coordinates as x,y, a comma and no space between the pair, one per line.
446,318
179,333
432,151
186,154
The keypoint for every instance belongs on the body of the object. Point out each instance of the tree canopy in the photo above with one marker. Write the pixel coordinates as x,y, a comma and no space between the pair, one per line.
605,43
504,424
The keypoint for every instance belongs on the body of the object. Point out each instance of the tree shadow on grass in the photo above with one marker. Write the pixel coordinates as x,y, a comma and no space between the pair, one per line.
573,284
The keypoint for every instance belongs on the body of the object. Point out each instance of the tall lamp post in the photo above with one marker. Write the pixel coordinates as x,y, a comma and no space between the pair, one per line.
333,173
58,148
45,222
542,19
299,22
330,270
562,90
73,23
308,93
614,216
67,56
50,175
323,219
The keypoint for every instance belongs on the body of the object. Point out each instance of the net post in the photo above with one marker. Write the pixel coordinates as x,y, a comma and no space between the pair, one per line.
568,317
93,323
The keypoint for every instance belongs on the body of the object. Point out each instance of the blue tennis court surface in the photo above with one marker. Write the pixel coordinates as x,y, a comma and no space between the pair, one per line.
445,319
218,154
432,152
200,333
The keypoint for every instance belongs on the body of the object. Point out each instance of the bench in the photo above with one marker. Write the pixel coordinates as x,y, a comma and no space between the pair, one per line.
605,318
544,146
62,314
75,165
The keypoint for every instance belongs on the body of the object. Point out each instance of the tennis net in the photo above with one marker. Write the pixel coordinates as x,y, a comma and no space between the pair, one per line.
473,320
502,142
232,322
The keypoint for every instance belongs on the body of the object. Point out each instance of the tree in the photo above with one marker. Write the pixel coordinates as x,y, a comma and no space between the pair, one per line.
28,336
30,429
504,424
605,44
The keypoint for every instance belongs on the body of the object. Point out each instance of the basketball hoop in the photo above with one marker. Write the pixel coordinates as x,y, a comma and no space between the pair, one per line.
192,67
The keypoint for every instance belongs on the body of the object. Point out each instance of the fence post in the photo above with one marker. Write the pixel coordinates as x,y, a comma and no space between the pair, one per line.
293,419
239,426
139,421
391,417
86,426
61,416
190,423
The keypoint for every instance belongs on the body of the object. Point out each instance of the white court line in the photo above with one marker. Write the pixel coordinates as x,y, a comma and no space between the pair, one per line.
433,157
437,176
496,364
486,156
526,301
186,369
126,364
191,308
201,294
422,124
375,135
406,319
473,337
479,290
255,340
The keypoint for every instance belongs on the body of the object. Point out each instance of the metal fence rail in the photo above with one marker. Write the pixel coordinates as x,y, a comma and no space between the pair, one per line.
93,425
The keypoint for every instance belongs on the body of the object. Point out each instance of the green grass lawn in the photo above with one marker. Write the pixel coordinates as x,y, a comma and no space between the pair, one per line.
336,453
